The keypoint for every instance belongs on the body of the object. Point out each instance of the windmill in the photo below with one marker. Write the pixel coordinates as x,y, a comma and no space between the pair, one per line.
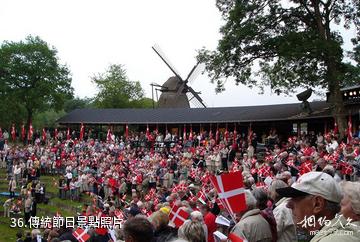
175,92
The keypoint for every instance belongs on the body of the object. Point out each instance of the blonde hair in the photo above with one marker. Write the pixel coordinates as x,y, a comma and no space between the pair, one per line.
159,220
352,190
192,231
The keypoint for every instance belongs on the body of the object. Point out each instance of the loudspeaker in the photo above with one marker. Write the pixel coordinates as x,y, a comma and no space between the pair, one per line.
303,96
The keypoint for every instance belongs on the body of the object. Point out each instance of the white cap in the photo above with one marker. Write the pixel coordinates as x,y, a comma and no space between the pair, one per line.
314,183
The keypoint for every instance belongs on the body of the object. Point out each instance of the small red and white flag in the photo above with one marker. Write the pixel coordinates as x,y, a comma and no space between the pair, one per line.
235,135
346,168
226,134
31,131
217,136
55,134
157,129
119,214
68,136
235,238
126,131
81,235
147,134
202,197
13,132
23,132
43,134
230,189
349,130
191,133
336,128
210,134
184,133
82,131
109,136
250,134
178,216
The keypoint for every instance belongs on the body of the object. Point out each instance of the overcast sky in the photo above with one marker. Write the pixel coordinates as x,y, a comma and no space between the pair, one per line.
91,34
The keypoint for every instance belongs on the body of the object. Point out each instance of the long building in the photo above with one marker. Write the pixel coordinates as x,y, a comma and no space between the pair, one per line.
285,118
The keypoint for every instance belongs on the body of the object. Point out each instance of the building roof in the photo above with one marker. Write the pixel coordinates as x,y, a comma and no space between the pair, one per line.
196,115
350,88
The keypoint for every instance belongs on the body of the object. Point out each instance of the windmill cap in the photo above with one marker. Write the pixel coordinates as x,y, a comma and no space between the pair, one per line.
314,183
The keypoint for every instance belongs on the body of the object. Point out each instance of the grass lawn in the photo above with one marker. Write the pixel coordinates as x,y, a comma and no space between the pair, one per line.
66,208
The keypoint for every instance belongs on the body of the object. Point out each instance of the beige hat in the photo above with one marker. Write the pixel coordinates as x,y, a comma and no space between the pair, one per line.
314,183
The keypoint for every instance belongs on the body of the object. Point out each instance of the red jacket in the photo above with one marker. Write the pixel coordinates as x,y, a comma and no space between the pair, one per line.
209,220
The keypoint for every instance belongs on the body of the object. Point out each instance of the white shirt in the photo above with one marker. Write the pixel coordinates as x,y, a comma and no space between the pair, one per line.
69,175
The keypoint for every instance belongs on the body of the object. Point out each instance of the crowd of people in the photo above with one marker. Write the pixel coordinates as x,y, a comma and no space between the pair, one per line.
292,187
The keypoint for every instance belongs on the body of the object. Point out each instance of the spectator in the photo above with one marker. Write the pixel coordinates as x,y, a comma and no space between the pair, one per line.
317,195
198,217
251,223
209,220
192,231
27,236
286,229
163,232
12,187
19,236
266,212
36,236
346,226
7,205
138,229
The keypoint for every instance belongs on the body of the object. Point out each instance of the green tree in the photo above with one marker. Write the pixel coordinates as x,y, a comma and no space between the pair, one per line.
32,77
47,119
76,103
116,90
144,102
11,112
286,45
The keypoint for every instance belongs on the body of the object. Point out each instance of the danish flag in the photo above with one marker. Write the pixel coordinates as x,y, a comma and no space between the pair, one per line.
81,235
230,189
109,136
44,134
178,216
147,132
23,132
235,135
202,197
68,134
184,133
13,132
226,134
127,131
349,130
56,134
190,134
346,168
82,131
31,131
234,238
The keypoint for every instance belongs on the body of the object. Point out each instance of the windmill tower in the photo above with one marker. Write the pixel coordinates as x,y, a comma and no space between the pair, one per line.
175,92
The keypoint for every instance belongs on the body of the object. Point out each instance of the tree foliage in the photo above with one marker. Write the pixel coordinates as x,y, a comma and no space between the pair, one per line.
286,45
117,91
31,76
77,103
